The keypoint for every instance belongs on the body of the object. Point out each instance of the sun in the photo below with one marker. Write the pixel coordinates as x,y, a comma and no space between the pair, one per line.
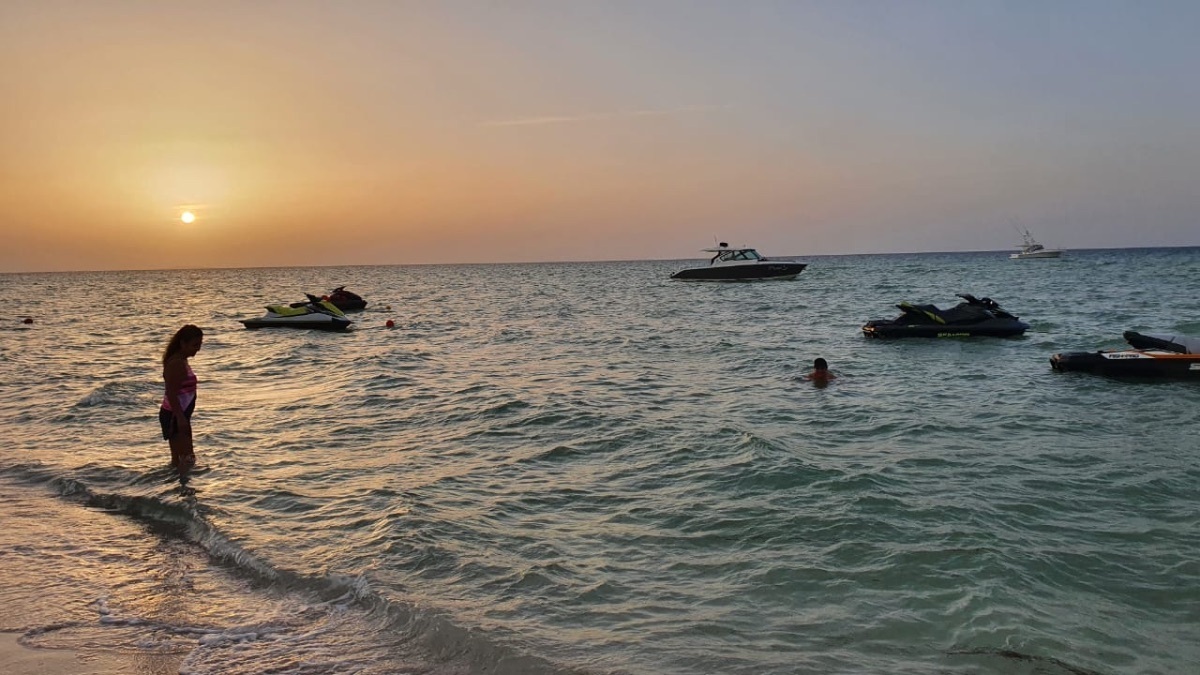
188,217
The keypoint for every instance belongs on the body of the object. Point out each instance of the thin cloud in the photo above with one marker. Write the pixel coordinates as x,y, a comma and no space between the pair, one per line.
601,117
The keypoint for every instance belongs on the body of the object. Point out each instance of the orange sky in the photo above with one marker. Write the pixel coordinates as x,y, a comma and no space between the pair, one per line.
308,133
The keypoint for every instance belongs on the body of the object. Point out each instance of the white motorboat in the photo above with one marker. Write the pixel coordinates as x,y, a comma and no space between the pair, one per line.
740,264
1031,249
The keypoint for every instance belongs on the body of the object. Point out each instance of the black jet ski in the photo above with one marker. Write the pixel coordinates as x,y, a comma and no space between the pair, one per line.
1153,355
345,300
317,314
973,317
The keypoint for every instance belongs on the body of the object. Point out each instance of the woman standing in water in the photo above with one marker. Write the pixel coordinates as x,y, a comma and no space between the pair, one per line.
180,399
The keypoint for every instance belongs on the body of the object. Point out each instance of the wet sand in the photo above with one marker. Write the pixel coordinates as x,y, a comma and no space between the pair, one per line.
16,659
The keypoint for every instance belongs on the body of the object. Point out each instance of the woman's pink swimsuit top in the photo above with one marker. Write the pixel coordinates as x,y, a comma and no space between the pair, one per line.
187,391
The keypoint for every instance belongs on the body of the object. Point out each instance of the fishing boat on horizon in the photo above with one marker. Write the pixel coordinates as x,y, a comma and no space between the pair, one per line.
1030,248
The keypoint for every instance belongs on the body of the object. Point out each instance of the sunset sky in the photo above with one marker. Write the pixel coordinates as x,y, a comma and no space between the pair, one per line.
439,131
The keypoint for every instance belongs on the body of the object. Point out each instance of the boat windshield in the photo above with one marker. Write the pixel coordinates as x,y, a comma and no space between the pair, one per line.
740,254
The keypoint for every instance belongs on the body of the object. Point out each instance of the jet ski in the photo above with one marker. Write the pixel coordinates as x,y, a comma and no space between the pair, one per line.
317,314
345,300
973,317
1153,355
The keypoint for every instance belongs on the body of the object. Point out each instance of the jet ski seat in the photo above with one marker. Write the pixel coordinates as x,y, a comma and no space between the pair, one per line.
284,310
930,311
332,308
964,313
1172,343
960,313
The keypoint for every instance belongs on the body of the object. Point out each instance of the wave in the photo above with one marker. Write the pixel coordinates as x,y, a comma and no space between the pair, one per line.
427,633
120,393
1041,663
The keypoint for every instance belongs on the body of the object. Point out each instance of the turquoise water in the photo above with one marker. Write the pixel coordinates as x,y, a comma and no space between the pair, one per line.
588,468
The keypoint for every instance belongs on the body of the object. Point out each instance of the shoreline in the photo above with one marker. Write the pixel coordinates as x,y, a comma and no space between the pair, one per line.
17,659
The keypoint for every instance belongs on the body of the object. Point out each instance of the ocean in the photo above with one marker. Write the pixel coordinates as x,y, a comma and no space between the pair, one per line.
587,468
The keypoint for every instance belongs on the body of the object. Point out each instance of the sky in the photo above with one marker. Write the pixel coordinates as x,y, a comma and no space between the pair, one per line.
445,131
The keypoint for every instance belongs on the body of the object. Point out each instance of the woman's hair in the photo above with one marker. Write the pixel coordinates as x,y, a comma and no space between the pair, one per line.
185,334
820,364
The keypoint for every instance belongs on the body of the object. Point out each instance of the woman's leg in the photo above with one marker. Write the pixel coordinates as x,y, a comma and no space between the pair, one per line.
183,454
170,433
181,449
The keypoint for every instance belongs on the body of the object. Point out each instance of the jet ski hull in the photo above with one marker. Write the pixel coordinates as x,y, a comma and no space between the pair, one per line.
1137,363
324,323
758,272
884,328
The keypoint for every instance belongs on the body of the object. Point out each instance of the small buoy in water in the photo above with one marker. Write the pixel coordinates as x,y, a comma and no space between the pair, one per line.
27,320
390,323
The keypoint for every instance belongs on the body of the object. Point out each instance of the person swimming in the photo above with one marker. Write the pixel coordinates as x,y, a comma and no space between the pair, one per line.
820,373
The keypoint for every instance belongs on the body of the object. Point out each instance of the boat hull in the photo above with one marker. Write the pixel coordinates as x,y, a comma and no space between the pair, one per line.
887,329
1134,363
1036,254
768,271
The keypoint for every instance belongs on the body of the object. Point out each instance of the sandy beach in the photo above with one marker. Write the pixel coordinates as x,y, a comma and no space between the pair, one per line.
16,659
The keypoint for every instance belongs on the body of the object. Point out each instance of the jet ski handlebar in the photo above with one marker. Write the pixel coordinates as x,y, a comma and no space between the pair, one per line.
986,303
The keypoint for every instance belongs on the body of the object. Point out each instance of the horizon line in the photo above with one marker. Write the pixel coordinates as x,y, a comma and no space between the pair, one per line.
559,262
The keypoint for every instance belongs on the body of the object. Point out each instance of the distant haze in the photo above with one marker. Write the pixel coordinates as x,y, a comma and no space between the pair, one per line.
376,132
